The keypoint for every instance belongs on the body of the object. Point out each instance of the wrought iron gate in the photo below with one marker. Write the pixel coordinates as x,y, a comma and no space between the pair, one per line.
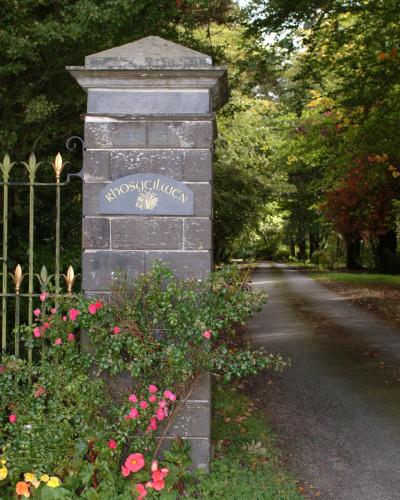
16,285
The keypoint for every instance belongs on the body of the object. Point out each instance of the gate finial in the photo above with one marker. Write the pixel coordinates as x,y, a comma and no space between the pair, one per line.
17,278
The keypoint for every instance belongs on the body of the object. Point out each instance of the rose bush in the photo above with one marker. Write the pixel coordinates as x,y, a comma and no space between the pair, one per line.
69,429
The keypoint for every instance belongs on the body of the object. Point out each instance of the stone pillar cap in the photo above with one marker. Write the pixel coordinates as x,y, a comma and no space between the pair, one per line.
152,62
151,52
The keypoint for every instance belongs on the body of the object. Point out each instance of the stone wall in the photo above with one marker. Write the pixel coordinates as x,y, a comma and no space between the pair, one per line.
116,147
150,113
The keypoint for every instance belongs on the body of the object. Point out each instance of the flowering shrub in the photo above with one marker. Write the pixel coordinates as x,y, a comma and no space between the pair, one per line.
67,433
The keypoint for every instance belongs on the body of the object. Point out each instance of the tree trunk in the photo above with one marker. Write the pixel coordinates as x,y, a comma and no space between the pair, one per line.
314,243
353,251
301,242
385,258
292,246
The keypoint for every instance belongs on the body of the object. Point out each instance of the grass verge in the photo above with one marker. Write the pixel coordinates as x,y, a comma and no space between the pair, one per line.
364,279
246,463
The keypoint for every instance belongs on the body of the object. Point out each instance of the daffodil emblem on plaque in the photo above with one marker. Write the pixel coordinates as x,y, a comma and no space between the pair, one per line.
147,200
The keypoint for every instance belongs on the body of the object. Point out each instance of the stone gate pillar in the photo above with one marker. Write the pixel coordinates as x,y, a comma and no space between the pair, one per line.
147,186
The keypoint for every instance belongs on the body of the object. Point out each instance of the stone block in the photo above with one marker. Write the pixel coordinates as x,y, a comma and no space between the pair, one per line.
137,233
96,166
202,389
149,101
200,451
197,165
197,234
119,386
96,233
104,296
158,161
108,133
203,203
101,268
192,420
185,265
180,134
91,197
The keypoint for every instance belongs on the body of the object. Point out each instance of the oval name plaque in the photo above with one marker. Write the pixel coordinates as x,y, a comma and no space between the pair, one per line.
146,194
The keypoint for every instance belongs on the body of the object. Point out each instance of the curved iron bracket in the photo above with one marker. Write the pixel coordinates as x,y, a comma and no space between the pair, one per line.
72,143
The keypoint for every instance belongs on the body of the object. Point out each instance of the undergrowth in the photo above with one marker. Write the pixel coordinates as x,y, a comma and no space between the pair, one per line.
247,462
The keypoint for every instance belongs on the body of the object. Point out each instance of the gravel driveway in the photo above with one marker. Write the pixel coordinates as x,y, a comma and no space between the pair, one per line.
336,410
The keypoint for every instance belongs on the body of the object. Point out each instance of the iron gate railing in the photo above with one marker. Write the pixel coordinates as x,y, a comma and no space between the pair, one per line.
16,276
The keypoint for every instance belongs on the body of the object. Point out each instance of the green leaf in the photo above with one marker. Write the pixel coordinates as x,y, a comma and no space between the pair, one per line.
86,473
47,493
81,448
90,494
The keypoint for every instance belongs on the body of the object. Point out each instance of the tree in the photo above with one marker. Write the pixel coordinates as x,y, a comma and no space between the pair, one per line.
41,105
343,87
362,206
245,178
40,102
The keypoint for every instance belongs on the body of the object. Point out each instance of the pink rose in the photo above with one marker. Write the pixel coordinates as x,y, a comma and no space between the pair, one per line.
40,390
70,337
112,444
159,475
169,395
162,403
64,318
12,418
53,310
37,312
116,330
58,341
207,334
133,413
143,405
46,326
99,304
132,398
153,424
125,471
36,332
152,399
92,308
43,296
153,389
158,485
160,414
140,488
134,462
73,314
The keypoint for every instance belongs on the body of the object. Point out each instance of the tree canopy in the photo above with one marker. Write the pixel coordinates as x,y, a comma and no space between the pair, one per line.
340,88
40,102
307,158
